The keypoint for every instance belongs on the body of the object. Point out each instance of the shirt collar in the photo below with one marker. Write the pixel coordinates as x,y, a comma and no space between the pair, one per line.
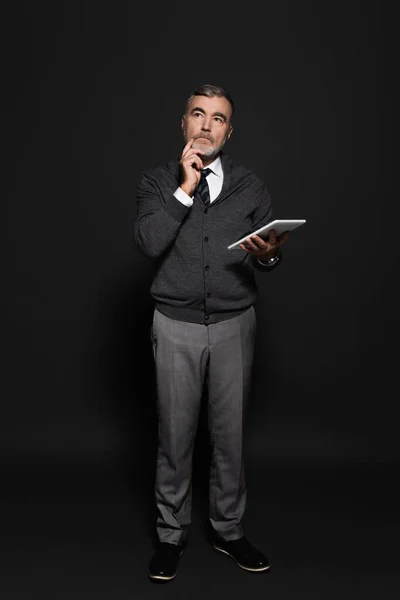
216,166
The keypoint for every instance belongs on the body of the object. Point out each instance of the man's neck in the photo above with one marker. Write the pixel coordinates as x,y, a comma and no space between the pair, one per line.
207,160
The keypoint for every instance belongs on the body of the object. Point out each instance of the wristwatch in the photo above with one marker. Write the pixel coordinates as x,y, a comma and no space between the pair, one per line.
271,262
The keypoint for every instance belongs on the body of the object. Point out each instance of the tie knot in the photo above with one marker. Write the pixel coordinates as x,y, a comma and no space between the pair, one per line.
205,172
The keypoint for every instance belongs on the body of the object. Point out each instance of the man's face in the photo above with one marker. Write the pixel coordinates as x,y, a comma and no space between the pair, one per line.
208,121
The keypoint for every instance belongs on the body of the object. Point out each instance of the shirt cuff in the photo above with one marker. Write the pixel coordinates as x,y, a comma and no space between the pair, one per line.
183,197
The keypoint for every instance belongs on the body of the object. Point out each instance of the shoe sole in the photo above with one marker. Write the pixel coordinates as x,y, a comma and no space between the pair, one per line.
161,578
260,570
165,578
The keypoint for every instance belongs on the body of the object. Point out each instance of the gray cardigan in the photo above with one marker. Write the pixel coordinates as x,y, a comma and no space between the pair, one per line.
197,278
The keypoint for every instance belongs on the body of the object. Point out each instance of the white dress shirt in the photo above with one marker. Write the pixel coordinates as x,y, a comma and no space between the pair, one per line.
215,179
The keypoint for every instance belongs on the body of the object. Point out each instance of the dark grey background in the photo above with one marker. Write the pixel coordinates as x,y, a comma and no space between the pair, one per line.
92,94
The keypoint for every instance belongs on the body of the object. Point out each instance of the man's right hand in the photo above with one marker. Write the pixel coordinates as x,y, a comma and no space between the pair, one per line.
191,165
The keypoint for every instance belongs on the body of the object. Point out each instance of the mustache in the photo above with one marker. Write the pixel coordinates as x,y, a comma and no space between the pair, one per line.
207,137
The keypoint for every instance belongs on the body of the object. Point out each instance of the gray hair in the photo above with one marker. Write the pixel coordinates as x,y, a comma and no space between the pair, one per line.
210,91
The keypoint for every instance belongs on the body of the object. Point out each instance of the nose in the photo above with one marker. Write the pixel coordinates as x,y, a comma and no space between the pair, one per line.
206,124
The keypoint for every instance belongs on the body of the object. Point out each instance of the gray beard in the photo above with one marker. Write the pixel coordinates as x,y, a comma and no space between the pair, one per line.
209,151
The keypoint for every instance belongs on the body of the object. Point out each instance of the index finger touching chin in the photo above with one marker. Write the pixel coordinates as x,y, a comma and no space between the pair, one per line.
188,145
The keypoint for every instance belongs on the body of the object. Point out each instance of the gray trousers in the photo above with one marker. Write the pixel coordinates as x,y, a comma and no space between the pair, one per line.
184,354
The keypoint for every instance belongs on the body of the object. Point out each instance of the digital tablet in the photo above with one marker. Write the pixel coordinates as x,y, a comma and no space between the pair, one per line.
280,226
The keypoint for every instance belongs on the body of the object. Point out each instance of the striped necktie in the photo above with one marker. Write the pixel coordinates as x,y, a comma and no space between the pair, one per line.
202,189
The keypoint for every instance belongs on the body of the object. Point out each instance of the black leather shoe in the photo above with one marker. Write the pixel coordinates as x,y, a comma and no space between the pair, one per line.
162,566
243,553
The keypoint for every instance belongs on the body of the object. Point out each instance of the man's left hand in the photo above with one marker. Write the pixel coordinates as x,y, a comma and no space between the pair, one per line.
264,249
